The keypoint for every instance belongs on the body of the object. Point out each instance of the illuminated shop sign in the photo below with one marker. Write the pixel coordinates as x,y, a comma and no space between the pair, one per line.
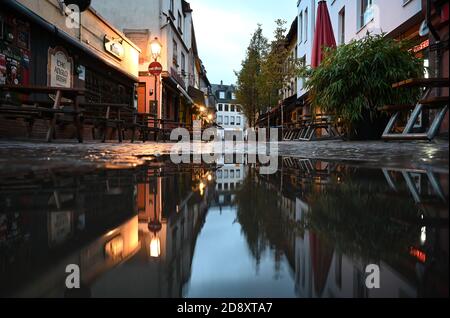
114,47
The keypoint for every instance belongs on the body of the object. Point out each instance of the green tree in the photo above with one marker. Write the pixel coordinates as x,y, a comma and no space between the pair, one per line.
278,68
248,93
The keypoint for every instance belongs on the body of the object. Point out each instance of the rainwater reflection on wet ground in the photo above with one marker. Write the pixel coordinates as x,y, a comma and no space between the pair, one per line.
225,230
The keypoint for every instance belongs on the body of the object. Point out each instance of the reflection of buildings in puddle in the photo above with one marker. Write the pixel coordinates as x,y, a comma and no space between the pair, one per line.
171,210
85,208
229,179
322,271
97,258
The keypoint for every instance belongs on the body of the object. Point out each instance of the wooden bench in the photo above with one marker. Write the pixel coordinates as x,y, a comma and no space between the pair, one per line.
40,109
426,103
104,116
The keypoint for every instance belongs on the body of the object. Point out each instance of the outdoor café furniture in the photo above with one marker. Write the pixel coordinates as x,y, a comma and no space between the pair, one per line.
407,175
40,109
144,123
312,125
104,116
439,103
167,126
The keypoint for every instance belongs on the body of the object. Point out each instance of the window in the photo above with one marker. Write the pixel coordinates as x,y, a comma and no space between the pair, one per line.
238,108
232,174
220,120
238,120
232,121
232,108
233,96
180,22
300,23
341,39
306,24
238,173
175,53
225,174
365,12
227,120
219,174
222,95
227,107
220,107
183,64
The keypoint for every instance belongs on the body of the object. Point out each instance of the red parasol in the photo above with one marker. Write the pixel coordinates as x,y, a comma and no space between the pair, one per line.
324,36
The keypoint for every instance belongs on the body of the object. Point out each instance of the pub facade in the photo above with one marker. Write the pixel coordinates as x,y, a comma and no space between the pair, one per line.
44,43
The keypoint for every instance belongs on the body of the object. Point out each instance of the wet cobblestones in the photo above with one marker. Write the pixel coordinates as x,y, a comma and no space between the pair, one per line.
25,155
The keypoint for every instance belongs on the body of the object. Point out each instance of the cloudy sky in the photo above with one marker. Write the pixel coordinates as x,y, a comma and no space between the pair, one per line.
224,27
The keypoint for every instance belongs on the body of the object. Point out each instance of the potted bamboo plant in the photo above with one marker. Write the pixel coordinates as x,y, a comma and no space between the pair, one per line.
355,79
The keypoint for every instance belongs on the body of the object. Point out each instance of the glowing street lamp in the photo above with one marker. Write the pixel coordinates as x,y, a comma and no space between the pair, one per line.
155,48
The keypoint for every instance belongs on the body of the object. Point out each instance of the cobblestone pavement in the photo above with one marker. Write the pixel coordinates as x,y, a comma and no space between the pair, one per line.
32,156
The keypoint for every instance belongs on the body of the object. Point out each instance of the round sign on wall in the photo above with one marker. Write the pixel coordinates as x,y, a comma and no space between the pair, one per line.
155,68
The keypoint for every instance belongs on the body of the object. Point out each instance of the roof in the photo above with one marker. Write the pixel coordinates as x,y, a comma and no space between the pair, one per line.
197,95
292,31
228,89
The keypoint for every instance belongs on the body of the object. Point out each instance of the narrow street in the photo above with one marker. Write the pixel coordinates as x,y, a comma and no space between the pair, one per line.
187,152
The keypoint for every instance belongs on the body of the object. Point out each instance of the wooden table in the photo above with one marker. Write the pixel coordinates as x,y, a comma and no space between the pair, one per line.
422,82
425,102
57,108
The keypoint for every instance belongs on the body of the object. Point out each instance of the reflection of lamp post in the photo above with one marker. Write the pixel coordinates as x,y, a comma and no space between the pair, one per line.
156,68
155,227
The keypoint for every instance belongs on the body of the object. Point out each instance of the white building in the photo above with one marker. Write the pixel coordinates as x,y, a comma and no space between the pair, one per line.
229,179
171,21
352,19
229,114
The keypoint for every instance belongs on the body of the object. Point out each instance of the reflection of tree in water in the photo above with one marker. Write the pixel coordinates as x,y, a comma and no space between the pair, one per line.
356,217
261,219
362,222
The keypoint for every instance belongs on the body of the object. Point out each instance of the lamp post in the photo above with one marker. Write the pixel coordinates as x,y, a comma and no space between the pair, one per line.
155,67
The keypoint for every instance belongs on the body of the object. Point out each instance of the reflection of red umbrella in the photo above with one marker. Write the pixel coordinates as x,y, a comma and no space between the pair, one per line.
322,256
324,36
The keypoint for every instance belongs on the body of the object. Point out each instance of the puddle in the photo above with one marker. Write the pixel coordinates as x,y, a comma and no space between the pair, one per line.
225,230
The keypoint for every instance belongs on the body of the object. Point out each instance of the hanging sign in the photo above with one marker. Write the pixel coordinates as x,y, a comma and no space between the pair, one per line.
60,68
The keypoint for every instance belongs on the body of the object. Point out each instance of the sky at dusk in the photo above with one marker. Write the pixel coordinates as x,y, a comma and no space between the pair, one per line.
224,27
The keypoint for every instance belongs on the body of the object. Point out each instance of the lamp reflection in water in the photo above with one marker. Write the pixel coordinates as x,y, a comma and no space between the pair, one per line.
155,227
202,187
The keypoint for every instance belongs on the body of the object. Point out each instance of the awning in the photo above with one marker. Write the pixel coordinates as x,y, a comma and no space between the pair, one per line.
166,76
197,96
